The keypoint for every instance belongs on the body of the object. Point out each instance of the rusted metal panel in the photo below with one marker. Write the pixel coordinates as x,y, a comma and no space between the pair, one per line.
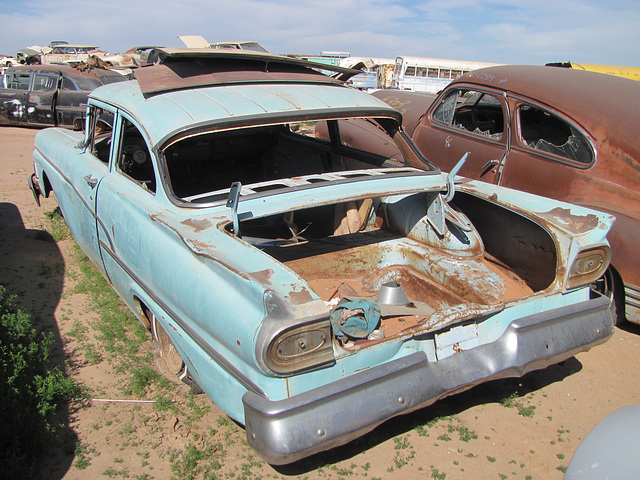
412,105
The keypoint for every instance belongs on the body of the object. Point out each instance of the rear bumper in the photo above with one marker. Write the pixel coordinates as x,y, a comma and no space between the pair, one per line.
288,430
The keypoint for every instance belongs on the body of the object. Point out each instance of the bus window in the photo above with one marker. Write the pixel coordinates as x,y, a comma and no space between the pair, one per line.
433,73
410,72
421,72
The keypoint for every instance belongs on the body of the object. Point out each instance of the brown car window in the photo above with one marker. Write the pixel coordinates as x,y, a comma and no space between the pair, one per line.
548,133
474,111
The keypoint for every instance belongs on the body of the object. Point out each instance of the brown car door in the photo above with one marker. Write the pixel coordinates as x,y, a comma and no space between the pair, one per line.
466,120
548,154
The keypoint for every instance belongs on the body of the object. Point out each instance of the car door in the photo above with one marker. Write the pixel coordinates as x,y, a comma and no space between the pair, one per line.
466,119
14,97
41,99
84,167
125,208
549,153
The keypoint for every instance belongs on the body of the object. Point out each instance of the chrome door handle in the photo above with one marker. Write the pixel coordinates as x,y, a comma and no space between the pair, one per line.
91,180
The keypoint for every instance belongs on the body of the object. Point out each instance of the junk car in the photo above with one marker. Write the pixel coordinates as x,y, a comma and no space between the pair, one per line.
49,95
311,289
561,133
64,53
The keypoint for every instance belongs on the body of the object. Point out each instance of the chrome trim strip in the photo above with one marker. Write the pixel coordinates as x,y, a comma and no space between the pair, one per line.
632,295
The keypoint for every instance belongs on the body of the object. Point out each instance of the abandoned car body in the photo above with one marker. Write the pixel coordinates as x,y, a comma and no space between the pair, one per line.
560,133
48,95
297,277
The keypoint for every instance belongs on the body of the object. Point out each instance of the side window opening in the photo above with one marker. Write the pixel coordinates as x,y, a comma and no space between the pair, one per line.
100,133
44,83
67,84
548,133
18,81
474,111
134,159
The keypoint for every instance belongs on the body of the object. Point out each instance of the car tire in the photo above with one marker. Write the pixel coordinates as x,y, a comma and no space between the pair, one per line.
167,357
610,285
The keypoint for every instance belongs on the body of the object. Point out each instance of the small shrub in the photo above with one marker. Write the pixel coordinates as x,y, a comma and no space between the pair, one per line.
30,390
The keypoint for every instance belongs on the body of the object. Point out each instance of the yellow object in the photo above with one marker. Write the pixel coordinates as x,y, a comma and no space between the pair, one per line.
632,73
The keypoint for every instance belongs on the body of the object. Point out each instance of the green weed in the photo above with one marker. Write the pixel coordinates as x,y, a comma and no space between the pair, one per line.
32,391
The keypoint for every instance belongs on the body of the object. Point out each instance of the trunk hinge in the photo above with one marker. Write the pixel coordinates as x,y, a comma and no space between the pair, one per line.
232,202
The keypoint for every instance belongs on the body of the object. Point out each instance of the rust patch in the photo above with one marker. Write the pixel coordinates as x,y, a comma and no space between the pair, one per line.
576,223
301,297
263,276
194,245
197,225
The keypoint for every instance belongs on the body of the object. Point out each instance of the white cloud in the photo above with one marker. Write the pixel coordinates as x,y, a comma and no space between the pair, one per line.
506,31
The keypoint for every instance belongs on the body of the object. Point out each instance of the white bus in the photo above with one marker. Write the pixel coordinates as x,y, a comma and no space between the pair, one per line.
373,70
430,75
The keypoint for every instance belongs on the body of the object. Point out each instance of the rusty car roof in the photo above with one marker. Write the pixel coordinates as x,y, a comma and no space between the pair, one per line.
178,68
584,96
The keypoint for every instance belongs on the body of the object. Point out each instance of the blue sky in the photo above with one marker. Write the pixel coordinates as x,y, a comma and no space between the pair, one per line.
500,31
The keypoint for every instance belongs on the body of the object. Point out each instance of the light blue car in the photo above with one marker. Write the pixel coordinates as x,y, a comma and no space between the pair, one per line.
313,290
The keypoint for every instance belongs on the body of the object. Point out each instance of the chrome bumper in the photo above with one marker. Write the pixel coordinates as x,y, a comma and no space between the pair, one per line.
284,431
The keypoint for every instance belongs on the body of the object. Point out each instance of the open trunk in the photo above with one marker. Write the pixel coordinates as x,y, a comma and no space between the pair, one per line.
385,250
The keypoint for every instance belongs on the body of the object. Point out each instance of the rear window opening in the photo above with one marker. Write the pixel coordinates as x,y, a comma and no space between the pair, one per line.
548,133
202,168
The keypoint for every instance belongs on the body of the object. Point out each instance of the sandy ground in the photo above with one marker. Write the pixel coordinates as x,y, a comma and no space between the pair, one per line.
473,435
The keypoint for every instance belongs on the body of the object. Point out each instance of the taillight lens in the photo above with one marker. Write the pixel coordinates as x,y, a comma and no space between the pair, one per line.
588,266
300,347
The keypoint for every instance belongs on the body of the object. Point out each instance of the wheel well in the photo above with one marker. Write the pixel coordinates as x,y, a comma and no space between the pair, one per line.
46,185
144,313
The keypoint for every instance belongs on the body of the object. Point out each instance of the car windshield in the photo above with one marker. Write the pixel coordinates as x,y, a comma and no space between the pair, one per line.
202,168
254,46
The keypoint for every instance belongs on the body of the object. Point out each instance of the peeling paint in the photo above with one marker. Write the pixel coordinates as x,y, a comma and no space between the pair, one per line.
576,223
197,224
263,276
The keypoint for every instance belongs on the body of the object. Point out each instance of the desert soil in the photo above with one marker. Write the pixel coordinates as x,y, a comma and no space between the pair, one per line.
473,435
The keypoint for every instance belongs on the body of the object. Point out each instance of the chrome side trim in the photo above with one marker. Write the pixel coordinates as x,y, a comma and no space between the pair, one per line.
632,295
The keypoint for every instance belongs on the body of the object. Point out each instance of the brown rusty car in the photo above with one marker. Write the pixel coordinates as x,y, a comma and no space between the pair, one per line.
565,134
